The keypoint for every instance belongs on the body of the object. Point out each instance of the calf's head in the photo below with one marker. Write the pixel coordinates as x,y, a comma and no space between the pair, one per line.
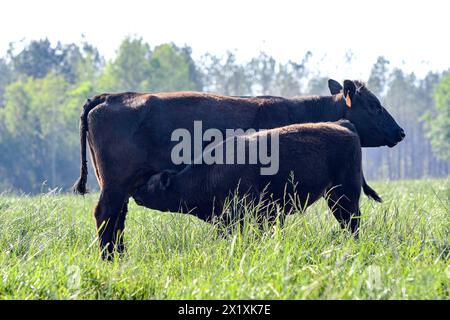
374,124
159,192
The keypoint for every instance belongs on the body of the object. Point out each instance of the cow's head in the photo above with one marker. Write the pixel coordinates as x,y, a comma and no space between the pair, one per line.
157,193
374,124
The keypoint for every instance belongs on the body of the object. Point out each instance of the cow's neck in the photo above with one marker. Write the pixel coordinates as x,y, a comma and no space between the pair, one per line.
318,109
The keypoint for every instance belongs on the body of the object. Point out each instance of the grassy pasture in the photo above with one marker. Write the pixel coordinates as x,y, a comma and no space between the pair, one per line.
48,250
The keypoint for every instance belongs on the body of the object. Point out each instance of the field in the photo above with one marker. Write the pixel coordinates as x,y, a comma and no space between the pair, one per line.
48,250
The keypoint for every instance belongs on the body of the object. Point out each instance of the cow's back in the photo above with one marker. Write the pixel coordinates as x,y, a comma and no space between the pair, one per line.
311,158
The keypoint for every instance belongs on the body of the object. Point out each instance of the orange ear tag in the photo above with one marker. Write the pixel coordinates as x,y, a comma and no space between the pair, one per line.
348,102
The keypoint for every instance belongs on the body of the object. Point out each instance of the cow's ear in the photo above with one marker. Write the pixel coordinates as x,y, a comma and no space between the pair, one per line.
349,92
165,180
334,86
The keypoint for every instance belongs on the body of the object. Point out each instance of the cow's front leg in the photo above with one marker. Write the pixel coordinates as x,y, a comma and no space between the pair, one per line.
106,215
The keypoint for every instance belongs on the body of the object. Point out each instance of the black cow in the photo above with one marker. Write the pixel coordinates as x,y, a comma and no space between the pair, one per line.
322,159
129,134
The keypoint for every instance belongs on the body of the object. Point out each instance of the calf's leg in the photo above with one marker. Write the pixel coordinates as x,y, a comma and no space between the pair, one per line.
344,204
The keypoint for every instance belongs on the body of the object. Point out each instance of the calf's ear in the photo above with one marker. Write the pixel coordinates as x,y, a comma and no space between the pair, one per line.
334,86
165,180
349,92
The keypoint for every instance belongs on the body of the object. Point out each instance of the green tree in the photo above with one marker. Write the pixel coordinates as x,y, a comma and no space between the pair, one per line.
6,77
130,70
438,122
138,68
378,84
36,59
291,78
40,117
225,76
262,71
318,86
379,76
285,83
171,69
79,63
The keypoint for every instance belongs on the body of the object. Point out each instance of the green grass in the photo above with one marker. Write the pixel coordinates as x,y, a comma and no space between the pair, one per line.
48,250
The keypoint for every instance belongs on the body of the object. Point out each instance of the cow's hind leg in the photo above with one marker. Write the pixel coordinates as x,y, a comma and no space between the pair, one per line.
344,204
120,227
106,214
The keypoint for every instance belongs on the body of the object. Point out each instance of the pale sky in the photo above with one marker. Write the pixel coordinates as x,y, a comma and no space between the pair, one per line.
413,34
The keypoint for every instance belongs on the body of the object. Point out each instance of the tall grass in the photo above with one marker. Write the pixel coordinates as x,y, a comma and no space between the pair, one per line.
48,250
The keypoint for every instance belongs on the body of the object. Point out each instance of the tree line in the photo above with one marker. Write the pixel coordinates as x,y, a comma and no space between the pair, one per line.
43,87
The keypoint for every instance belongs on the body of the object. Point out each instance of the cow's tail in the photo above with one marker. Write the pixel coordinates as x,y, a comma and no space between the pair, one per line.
369,191
80,185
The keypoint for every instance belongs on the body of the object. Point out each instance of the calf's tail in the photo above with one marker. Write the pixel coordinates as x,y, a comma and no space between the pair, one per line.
369,191
80,185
